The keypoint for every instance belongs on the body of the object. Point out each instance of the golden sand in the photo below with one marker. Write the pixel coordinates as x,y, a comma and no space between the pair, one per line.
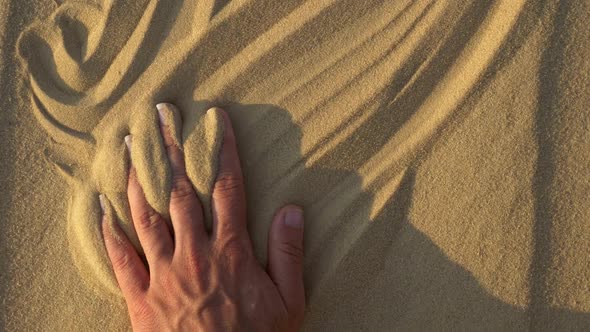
440,150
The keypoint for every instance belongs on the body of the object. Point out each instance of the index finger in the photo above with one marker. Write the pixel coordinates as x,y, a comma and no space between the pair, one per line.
185,208
229,198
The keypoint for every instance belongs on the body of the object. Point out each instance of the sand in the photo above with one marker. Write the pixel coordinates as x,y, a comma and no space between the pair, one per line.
440,150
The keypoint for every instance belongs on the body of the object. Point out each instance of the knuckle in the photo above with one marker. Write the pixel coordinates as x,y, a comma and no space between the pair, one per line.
166,281
293,252
198,268
141,310
227,183
181,188
234,251
169,143
148,219
229,226
232,247
121,262
193,261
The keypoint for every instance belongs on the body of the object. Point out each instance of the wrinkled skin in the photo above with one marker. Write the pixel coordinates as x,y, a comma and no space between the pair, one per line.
198,281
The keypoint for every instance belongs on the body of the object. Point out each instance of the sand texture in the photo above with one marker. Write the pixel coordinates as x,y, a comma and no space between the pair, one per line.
440,150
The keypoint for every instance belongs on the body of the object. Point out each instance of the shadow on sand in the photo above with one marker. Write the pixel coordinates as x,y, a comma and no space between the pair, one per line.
361,274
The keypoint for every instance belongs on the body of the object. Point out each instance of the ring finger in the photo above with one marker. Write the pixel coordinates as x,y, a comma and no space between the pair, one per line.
152,229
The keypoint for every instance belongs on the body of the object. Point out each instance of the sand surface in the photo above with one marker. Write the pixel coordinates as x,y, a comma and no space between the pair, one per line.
440,150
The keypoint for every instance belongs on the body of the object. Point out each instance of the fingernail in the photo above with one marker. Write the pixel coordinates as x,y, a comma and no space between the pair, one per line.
128,140
161,109
103,204
212,110
294,218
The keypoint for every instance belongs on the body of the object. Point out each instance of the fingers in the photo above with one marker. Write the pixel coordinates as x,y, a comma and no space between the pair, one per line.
152,230
285,258
129,270
185,209
229,200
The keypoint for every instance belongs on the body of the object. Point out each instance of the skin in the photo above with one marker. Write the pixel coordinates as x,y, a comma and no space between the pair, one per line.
196,281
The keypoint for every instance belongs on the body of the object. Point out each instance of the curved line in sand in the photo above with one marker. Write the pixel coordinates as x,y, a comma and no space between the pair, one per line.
468,68
416,130
426,120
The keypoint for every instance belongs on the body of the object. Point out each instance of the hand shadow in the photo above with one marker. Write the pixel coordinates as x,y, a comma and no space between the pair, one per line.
360,274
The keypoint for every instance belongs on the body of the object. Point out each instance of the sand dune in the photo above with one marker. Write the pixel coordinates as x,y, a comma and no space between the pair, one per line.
439,149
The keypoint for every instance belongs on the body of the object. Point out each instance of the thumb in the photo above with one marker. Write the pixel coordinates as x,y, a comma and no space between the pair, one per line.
285,258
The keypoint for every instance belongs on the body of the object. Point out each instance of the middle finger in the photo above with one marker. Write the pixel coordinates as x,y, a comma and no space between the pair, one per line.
186,212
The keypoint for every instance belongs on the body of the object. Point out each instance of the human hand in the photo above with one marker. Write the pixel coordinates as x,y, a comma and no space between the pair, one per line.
206,282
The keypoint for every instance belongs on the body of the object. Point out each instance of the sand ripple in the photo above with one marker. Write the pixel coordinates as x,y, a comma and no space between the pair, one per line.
334,103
